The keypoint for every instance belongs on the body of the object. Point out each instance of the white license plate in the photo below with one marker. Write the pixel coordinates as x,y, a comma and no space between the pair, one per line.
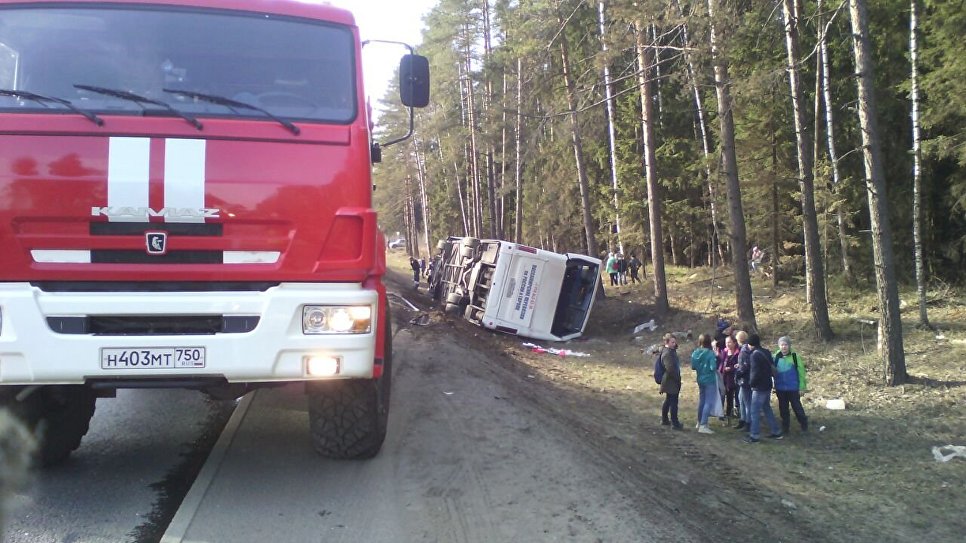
152,358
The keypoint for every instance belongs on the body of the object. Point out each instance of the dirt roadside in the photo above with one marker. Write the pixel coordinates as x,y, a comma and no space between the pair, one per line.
867,476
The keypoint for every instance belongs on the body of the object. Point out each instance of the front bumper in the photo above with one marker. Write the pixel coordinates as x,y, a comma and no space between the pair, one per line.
31,352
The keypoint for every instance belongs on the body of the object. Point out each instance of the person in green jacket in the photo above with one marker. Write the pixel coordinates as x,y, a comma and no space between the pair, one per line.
790,382
704,361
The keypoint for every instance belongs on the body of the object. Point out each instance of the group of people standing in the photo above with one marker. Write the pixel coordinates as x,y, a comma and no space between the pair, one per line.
618,266
735,373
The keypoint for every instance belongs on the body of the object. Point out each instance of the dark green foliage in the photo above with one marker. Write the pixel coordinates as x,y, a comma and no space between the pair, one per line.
763,116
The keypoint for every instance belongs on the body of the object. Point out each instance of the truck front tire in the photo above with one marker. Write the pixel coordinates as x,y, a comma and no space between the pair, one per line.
348,418
58,415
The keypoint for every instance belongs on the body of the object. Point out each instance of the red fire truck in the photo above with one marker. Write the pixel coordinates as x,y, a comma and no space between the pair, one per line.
185,202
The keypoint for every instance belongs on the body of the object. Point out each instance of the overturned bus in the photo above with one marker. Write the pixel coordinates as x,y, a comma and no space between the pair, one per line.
514,288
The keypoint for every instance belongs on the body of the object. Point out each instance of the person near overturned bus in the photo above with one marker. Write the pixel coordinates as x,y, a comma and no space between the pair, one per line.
760,380
789,384
705,363
634,265
671,382
621,269
414,264
611,267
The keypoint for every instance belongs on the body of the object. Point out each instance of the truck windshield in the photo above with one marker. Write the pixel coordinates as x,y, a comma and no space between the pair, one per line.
291,68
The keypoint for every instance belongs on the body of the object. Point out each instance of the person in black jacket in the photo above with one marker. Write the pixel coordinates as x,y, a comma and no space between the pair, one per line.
760,381
671,383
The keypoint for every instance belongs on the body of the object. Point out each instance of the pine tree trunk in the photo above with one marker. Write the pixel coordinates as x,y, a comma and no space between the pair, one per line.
611,138
890,341
813,248
583,183
729,159
705,138
486,124
917,170
518,173
474,148
645,62
832,154
421,177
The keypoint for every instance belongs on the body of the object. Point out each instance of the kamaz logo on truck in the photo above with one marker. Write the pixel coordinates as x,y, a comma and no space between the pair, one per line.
147,212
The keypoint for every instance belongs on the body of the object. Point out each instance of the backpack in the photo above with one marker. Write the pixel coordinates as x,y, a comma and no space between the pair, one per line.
658,369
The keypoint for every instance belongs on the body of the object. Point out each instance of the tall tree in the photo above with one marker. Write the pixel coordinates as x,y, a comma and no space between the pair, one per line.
729,160
890,321
571,91
645,56
833,157
813,249
917,168
611,138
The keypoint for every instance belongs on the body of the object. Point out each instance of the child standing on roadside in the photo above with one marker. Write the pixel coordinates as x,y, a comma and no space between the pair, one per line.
789,384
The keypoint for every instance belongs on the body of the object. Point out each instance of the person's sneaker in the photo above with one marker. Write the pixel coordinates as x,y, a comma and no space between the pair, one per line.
705,430
741,425
665,423
749,439
697,424
776,436
677,426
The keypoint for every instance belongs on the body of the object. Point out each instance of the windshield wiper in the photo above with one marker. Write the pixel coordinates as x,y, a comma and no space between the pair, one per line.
42,99
229,103
140,101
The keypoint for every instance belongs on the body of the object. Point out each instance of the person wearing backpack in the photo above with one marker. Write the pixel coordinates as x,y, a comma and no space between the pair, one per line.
789,384
670,382
760,380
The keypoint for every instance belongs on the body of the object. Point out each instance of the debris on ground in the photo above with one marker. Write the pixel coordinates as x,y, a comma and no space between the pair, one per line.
835,405
420,320
956,450
550,350
651,325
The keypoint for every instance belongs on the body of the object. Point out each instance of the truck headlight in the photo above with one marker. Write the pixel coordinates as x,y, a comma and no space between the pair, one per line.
336,319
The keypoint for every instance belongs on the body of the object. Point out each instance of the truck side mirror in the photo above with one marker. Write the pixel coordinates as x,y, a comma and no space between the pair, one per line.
414,80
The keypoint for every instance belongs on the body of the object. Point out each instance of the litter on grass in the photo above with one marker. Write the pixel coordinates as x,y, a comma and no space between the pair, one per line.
955,450
650,325
550,350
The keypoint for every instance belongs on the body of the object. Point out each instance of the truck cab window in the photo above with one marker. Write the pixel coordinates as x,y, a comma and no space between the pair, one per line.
296,69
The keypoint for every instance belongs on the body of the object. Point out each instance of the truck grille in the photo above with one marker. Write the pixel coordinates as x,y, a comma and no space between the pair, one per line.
151,325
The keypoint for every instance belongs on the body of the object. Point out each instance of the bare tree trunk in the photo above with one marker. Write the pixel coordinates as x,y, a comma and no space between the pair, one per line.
611,138
775,210
645,59
486,128
832,154
459,196
501,201
813,248
890,341
705,138
729,159
584,185
657,78
917,170
421,178
474,148
518,174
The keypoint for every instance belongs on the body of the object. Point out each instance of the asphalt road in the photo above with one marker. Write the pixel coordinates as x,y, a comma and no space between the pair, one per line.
129,474
468,458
